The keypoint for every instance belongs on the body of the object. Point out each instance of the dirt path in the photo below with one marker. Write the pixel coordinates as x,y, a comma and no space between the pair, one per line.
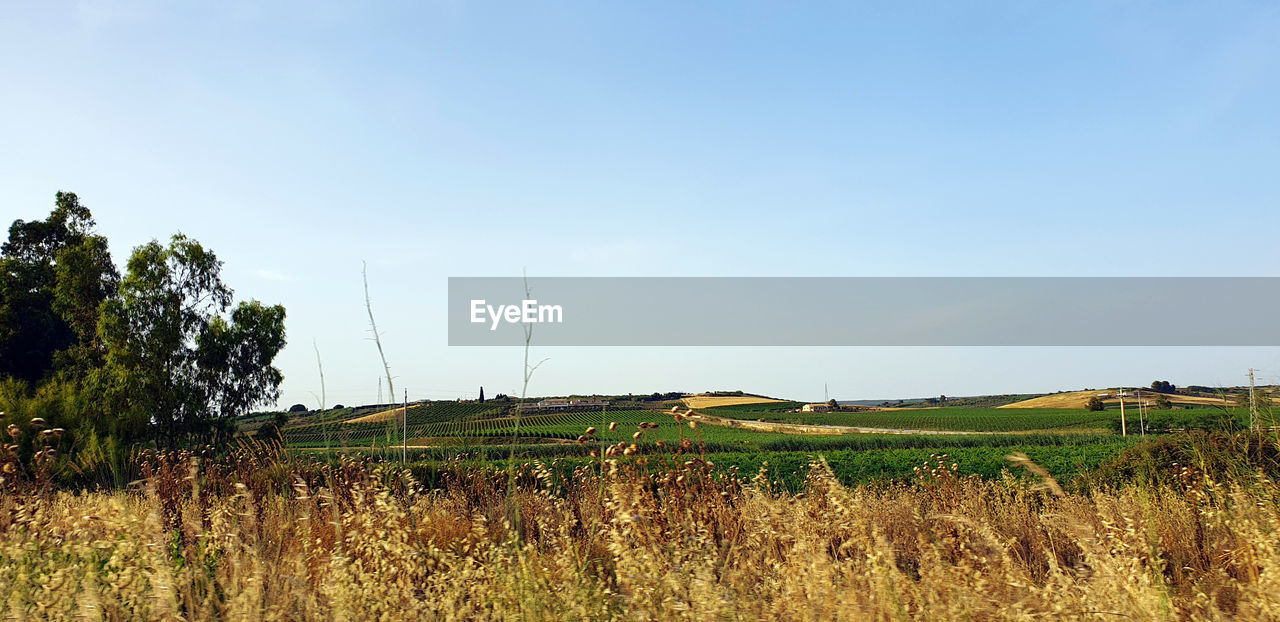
792,428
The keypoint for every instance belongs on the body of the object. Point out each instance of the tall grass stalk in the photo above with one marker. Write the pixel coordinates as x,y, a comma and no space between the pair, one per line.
324,426
513,513
377,340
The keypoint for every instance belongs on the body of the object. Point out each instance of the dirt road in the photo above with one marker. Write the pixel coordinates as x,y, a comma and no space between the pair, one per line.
792,428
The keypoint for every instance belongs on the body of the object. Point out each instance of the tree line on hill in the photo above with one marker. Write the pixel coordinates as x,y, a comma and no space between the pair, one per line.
93,360
1162,389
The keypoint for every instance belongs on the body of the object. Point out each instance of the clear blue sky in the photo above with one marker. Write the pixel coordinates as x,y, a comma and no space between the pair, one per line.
710,139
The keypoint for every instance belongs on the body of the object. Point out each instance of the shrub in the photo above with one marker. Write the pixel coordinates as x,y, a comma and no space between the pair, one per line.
1218,456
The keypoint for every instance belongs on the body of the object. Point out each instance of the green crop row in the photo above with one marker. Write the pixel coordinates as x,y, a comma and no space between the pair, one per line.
788,469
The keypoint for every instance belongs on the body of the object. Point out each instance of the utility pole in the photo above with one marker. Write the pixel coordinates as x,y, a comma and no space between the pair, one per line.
1142,415
1124,430
404,431
1253,404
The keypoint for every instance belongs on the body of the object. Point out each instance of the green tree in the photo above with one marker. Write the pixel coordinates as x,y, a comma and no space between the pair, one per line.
1095,404
274,431
86,277
1163,386
54,275
1163,403
174,362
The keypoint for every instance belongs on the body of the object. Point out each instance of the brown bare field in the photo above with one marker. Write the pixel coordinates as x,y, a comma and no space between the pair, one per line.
384,415
1078,399
257,537
712,401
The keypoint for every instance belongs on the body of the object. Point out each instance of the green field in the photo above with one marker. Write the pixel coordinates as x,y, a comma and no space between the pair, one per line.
1064,441
966,419
856,466
462,426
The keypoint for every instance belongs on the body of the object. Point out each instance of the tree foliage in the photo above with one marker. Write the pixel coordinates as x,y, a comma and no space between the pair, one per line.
175,360
158,355
54,274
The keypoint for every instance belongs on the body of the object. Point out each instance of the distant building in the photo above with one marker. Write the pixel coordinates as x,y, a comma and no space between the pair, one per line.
815,408
555,404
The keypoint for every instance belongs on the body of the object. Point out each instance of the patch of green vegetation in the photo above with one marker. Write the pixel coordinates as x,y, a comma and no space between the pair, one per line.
788,469
1193,457
861,466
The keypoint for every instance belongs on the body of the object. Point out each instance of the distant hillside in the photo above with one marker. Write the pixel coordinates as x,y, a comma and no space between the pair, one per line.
969,401
713,401
1079,399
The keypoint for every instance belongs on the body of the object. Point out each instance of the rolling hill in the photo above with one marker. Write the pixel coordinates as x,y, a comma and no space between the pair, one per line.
1078,399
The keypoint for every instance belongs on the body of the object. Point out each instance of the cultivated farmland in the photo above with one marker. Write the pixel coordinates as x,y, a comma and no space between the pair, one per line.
1078,399
713,401
963,419
1066,440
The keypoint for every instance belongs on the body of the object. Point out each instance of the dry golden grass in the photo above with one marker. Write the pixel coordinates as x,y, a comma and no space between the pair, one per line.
712,401
1079,399
250,538
385,415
